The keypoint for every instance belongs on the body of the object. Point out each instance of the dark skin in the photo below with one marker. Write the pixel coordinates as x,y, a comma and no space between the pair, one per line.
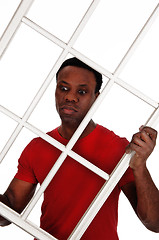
17,196
75,94
146,203
74,100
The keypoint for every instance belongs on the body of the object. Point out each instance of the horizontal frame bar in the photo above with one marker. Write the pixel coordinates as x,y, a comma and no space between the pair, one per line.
44,32
27,226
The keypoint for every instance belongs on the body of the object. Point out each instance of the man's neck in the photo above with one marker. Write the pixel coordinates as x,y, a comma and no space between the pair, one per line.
67,131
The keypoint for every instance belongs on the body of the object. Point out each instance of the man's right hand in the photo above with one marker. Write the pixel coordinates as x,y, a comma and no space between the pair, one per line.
17,196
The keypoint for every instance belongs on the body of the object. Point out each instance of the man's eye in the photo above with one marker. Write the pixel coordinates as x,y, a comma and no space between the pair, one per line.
82,92
63,88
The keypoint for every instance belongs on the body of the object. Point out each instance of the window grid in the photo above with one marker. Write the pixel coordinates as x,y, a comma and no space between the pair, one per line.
105,72
21,220
52,72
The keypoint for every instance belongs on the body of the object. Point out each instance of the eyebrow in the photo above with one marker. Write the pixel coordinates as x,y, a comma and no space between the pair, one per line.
62,81
81,85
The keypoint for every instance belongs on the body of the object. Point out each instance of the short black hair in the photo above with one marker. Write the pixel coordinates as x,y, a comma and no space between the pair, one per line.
77,63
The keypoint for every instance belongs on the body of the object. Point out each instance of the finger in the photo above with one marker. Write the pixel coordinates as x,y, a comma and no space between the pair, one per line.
152,133
128,149
133,147
141,128
137,140
145,136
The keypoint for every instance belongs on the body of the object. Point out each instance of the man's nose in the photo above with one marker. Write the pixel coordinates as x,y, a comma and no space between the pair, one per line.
71,97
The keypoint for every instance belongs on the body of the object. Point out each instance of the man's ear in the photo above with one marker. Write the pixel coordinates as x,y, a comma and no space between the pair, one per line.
97,94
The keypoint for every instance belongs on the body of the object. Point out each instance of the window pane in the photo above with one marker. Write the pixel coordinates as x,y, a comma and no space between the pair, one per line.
24,67
112,29
142,69
58,17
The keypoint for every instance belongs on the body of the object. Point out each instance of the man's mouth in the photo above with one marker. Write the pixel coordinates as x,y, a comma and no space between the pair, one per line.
68,109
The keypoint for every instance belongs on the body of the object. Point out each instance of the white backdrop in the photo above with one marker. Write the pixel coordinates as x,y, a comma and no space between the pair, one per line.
106,38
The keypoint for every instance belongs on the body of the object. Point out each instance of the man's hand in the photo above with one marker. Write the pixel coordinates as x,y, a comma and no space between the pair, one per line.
143,144
146,205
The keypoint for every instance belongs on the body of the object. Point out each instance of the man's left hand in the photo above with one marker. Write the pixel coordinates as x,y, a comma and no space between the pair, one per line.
143,144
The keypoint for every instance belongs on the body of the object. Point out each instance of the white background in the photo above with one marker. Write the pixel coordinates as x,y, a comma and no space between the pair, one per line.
106,38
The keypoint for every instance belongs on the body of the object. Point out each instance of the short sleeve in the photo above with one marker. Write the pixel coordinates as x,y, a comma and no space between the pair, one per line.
120,146
128,175
25,171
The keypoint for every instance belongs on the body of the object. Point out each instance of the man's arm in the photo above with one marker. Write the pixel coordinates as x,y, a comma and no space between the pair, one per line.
143,194
17,196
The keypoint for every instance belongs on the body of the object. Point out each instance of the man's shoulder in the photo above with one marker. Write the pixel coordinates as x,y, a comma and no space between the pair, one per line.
111,136
106,132
43,138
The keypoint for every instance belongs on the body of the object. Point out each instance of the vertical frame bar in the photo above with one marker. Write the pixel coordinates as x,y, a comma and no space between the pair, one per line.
14,24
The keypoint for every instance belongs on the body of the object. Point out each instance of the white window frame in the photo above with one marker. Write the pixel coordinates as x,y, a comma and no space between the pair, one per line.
110,180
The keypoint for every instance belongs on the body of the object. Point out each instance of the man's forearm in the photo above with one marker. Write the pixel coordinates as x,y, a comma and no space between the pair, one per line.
147,208
147,199
3,221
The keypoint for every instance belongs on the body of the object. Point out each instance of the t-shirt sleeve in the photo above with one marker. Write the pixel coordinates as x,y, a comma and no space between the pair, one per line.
25,171
119,146
128,176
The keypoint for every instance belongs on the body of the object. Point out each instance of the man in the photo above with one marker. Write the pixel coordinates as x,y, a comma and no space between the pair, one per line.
74,187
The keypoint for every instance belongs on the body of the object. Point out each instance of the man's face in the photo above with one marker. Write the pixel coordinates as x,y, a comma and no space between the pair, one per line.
75,93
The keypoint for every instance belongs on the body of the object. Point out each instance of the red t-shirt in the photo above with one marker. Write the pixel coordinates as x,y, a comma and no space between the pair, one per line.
74,186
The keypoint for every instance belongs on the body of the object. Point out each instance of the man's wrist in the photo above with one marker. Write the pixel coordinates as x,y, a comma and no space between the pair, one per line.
140,170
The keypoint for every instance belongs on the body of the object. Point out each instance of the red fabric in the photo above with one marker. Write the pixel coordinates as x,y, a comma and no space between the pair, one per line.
74,187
